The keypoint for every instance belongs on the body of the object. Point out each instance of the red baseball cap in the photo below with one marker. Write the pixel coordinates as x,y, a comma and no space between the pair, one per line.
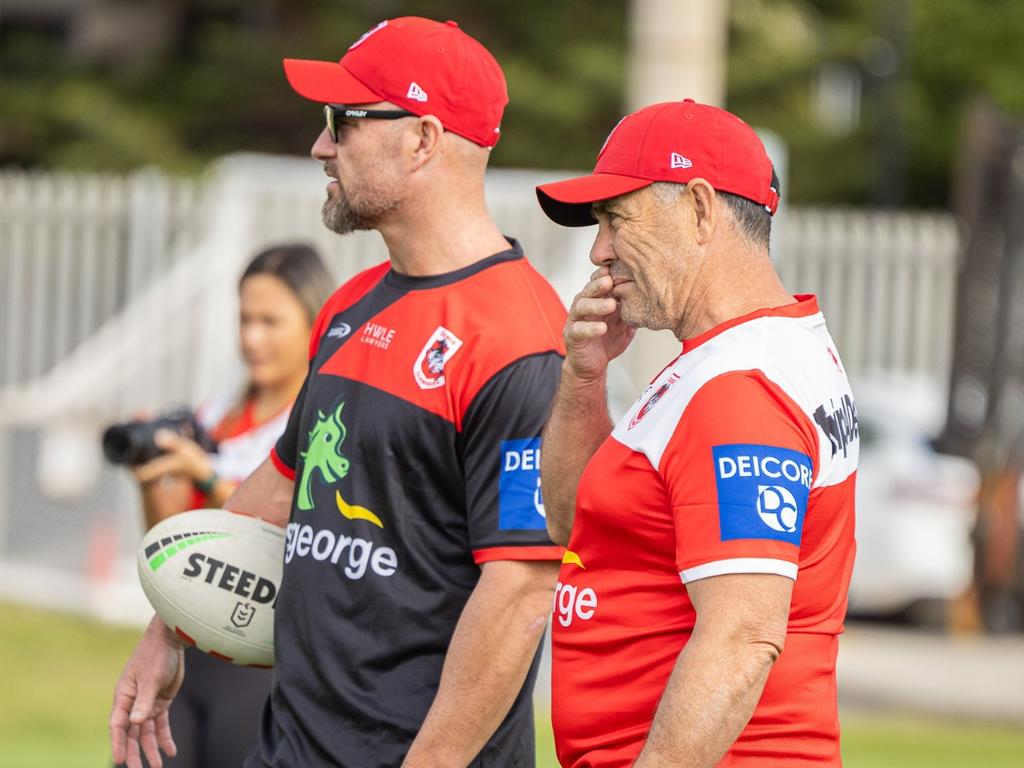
674,141
424,66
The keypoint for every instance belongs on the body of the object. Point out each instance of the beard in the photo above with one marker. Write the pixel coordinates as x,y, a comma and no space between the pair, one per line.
642,307
344,212
640,312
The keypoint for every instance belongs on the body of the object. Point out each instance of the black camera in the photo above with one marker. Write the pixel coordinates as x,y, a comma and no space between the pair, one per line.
132,442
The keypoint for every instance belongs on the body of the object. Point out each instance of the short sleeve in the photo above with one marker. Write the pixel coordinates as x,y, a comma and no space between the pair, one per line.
739,470
285,453
500,446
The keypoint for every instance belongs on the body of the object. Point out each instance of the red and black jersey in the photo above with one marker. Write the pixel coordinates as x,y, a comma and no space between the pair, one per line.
414,446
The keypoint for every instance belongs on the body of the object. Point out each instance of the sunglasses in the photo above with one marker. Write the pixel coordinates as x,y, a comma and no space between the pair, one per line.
334,114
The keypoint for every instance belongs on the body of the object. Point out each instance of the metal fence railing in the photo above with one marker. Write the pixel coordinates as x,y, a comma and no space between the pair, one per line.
75,249
886,281
118,293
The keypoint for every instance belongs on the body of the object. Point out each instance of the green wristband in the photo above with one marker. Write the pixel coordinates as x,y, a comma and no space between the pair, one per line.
206,486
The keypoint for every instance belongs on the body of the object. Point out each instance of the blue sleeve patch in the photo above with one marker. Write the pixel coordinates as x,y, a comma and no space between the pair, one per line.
762,491
520,506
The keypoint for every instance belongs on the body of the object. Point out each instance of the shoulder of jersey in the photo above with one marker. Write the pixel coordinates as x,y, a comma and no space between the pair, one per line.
780,347
787,345
783,350
511,308
349,293
355,288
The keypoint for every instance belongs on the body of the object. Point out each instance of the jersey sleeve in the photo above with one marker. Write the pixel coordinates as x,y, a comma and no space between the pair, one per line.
739,469
285,453
500,446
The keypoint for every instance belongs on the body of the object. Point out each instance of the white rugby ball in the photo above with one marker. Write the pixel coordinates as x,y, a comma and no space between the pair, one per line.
213,577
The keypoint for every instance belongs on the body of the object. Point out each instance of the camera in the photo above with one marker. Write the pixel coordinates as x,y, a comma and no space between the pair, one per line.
132,441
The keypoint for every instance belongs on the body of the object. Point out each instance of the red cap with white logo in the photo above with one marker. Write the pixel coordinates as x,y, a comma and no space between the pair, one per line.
675,141
424,66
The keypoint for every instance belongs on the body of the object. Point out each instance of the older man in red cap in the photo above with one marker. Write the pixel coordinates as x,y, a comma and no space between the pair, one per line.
710,531
417,569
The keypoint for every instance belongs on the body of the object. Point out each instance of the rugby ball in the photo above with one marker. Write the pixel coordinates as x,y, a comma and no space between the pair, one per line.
213,577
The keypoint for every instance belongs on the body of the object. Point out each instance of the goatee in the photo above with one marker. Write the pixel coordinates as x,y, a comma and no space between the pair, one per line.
343,214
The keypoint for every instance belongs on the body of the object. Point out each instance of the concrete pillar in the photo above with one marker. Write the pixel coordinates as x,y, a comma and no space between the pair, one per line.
677,51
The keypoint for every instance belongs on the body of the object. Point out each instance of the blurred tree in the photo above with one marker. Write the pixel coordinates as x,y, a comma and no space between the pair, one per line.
216,85
867,93
909,66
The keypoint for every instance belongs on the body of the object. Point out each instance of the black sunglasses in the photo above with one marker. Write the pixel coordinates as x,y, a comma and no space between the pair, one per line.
335,113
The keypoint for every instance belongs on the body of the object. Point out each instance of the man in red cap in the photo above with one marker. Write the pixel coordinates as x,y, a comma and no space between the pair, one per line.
709,532
417,569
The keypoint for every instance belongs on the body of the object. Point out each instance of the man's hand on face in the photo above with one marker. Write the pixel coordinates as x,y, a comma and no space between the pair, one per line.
595,333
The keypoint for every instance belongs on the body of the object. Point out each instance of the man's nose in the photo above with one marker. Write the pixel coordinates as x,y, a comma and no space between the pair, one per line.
323,148
601,252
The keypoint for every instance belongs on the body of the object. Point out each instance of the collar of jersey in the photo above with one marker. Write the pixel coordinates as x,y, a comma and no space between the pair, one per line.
806,306
411,283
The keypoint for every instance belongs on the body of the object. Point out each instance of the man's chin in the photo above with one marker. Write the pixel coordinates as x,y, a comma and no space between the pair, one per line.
628,314
637,316
338,218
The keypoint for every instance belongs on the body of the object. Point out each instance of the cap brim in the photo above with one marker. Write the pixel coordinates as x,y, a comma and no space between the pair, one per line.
569,202
326,82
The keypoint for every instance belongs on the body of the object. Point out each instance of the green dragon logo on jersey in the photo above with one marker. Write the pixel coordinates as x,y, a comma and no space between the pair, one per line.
323,454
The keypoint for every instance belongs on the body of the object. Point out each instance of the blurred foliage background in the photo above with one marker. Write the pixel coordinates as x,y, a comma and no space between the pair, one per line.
868,94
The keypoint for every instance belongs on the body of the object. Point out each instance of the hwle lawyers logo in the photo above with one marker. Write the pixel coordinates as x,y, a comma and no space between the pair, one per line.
377,335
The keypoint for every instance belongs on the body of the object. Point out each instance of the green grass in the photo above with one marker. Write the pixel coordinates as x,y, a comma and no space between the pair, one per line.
58,679
896,741
58,674
878,741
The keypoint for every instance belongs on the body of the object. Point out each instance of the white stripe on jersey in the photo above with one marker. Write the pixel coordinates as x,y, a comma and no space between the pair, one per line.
795,353
739,565
239,456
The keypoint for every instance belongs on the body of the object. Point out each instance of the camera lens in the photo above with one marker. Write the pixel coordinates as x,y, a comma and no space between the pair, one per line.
118,445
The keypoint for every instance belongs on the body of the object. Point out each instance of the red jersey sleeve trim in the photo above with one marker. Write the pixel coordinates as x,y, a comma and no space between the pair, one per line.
283,468
517,553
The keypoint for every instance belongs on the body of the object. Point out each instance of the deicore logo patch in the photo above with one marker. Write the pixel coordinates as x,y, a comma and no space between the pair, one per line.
161,551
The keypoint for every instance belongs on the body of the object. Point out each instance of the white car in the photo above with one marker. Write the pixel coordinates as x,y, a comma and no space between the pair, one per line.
915,507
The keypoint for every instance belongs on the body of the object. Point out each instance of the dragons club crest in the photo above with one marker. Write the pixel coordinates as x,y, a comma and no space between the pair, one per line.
428,370
653,400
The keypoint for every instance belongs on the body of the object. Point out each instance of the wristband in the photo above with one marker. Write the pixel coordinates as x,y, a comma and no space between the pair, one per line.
206,486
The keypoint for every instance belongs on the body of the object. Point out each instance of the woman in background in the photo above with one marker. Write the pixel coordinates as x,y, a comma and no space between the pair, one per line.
216,715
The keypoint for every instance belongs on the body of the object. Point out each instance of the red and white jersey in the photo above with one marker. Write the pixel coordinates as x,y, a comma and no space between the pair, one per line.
242,444
740,457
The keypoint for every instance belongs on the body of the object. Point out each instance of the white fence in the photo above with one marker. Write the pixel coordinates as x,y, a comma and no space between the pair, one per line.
119,294
78,253
75,249
886,282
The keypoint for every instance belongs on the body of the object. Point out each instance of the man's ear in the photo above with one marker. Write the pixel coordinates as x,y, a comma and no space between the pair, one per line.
429,133
705,208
